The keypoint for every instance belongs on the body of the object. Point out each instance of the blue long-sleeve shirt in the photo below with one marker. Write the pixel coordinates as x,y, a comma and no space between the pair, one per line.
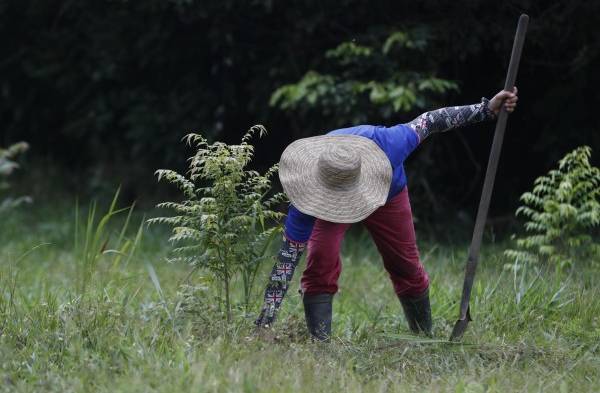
397,143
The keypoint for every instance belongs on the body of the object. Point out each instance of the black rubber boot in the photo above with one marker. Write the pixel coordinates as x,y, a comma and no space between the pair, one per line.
318,310
418,313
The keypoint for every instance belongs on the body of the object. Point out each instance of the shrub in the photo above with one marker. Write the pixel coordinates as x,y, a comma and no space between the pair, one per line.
561,212
222,225
7,166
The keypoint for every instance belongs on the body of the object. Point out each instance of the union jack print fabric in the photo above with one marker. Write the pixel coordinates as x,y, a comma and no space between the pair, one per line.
281,275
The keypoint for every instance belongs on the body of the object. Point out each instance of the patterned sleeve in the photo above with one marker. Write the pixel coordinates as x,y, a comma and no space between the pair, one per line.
298,228
445,119
287,260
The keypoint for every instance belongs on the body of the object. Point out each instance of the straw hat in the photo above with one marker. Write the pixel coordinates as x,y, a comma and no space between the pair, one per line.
337,178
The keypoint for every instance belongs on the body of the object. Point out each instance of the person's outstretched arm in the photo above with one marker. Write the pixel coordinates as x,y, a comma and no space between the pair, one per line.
445,119
297,226
287,259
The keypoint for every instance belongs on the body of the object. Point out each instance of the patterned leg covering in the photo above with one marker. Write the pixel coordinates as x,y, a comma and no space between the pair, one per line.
281,275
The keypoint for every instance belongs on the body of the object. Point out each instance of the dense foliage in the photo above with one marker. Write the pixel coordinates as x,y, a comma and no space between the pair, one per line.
562,211
107,88
366,82
225,224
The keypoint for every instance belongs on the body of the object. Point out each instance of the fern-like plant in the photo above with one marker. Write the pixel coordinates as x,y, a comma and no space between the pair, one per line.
562,211
225,223
7,166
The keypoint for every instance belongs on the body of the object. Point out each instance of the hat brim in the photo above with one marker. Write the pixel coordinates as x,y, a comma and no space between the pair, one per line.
298,176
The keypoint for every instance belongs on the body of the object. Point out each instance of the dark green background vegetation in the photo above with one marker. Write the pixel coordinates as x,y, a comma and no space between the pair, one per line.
104,90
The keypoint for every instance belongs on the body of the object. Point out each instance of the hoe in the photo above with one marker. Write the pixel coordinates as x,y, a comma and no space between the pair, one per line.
465,316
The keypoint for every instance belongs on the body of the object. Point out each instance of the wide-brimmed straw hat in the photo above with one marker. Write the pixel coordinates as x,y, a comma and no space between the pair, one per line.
337,178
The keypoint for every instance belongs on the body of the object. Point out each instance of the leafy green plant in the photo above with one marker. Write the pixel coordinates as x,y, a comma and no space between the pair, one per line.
7,166
223,224
345,92
561,211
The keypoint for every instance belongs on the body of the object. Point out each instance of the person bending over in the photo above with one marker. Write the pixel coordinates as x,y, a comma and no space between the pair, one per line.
353,175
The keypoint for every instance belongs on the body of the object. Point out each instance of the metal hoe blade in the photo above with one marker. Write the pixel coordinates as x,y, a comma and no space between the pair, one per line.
486,194
460,327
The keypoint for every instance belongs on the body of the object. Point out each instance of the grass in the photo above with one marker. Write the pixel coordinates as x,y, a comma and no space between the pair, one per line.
142,325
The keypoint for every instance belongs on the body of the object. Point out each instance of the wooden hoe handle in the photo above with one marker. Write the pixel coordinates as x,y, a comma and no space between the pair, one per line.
488,184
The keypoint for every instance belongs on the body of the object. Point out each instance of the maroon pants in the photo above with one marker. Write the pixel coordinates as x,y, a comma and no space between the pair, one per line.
391,227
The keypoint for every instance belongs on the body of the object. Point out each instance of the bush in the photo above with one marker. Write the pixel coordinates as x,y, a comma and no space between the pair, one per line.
7,166
222,225
562,211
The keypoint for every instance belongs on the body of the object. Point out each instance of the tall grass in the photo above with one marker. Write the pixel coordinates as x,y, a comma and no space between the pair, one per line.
140,325
95,240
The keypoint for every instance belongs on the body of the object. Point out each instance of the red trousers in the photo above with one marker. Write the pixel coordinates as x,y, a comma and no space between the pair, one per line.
391,227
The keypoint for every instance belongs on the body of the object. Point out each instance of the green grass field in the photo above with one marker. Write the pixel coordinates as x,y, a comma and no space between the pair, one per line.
72,321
